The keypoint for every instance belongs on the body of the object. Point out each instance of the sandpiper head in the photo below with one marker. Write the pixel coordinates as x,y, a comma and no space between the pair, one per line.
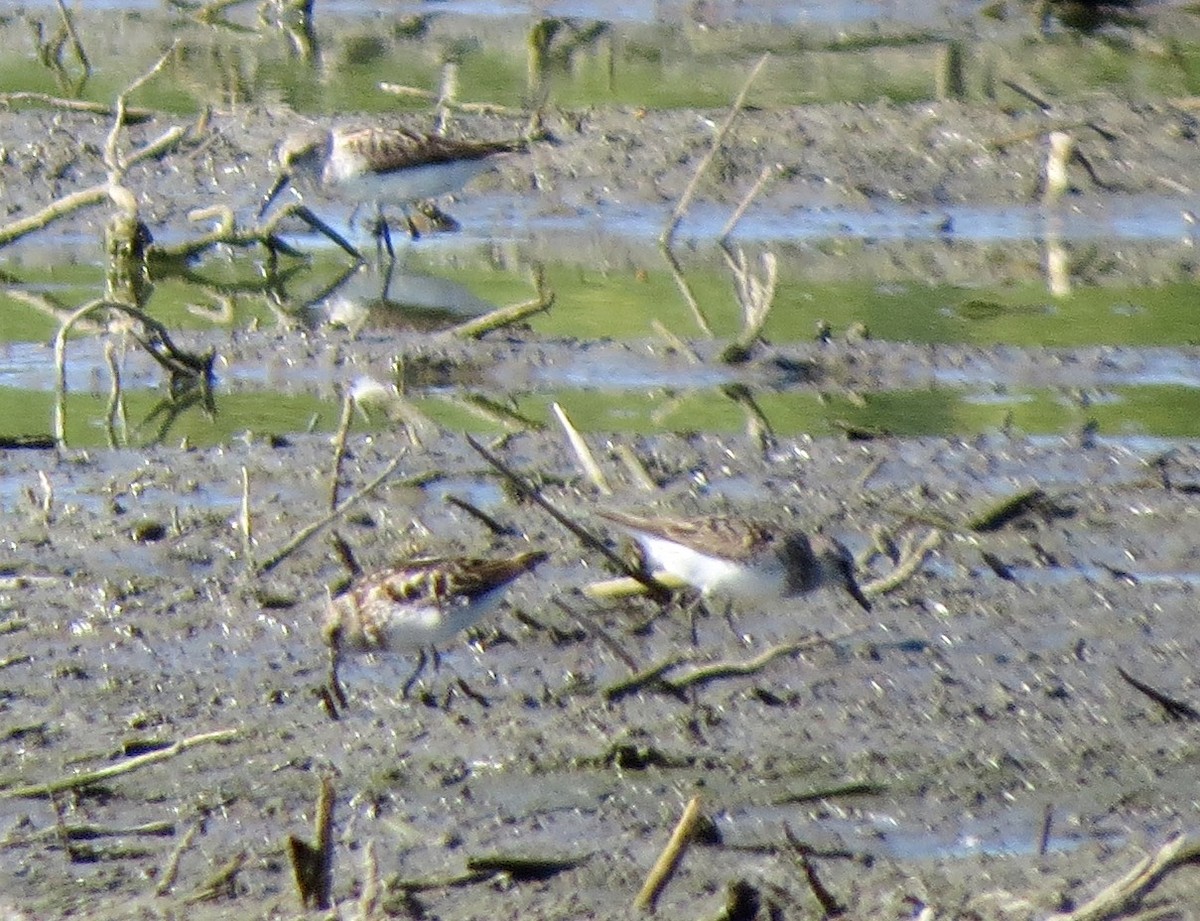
822,560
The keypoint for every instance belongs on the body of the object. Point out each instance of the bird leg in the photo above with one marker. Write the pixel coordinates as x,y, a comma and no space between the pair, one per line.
412,679
334,683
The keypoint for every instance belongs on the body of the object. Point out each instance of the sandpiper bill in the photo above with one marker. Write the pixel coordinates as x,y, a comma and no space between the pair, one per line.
417,605
384,165
742,560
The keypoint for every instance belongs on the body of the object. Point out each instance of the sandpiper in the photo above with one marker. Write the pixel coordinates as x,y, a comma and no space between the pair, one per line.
417,605
742,560
382,165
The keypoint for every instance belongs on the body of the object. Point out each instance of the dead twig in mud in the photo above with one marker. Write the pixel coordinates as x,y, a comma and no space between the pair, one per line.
500,530
306,533
689,193
76,44
226,232
668,861
132,116
170,872
506,316
1175,709
339,446
637,470
768,172
755,295
829,905
591,626
1124,896
246,522
89,778
675,342
439,99
222,881
651,677
520,867
183,368
685,291
906,568
997,515
854,788
653,588
312,864
717,671
583,453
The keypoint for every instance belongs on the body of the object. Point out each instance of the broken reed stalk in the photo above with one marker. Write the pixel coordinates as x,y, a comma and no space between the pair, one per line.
312,864
625,586
689,193
653,588
674,342
76,44
88,778
668,861
306,533
587,460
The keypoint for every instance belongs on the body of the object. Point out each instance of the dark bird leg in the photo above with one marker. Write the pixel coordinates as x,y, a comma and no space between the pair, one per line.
412,679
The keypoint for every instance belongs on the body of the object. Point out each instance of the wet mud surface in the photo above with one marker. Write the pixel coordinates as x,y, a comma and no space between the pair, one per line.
968,745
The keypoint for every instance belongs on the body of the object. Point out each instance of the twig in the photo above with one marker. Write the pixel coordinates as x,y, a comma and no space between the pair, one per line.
305,533
68,204
583,453
339,446
224,878
653,588
593,627
768,171
1175,709
481,516
689,193
755,296
170,871
88,778
1125,895
132,116
652,676
245,523
501,317
717,671
674,341
685,290
637,470
904,570
625,586
668,861
76,44
829,905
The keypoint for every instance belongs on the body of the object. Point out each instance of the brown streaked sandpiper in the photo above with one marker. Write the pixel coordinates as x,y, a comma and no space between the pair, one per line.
739,559
384,165
417,605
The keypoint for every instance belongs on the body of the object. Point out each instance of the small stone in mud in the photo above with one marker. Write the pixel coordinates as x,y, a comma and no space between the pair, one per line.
148,531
